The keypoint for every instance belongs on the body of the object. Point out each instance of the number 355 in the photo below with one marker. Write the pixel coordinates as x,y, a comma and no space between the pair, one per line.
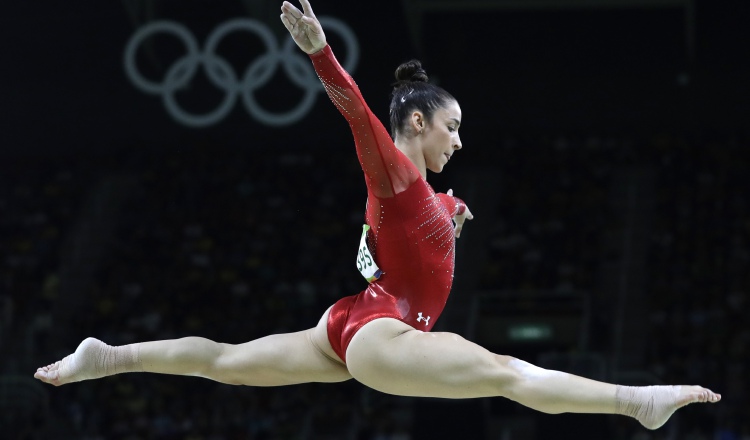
364,259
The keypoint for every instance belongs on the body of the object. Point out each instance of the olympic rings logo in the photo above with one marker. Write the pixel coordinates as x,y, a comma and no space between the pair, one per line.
221,74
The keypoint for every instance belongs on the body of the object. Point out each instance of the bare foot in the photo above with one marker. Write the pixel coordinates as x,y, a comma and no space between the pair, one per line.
82,365
653,406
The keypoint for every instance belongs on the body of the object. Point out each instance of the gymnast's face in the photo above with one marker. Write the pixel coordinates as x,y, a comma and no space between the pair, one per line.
440,136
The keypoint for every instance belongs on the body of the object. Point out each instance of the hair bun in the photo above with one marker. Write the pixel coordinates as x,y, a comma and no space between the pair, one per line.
411,71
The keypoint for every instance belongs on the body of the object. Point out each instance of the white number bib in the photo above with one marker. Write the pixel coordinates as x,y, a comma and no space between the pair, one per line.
365,262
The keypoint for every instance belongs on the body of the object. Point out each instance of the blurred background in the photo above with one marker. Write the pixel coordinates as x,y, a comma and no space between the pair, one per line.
168,168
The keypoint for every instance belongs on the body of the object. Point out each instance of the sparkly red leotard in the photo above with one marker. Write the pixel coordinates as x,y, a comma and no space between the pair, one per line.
411,235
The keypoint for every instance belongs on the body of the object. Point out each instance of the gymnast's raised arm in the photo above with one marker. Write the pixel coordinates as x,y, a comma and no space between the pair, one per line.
387,170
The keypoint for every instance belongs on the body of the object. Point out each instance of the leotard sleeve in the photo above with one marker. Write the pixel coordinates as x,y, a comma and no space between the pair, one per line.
453,204
387,171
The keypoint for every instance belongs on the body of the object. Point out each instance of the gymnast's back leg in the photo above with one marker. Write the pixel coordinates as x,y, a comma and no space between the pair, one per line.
392,357
283,359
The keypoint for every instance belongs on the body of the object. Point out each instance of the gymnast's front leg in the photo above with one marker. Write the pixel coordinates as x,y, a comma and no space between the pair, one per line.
392,357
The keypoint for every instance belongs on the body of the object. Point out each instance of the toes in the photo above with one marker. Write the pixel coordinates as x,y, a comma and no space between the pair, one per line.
48,374
704,395
50,367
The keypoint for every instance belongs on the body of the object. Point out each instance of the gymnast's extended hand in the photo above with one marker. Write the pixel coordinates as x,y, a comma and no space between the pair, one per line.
304,27
460,219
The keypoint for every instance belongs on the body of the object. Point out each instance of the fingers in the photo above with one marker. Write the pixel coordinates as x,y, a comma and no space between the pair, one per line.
313,24
307,8
469,215
460,220
291,12
291,17
287,24
290,22
450,192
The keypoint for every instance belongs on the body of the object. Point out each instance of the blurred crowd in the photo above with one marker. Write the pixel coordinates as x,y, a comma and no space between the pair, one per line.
552,208
38,201
235,245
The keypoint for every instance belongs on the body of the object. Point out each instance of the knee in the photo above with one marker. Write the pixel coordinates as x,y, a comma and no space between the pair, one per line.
196,353
507,380
190,345
522,379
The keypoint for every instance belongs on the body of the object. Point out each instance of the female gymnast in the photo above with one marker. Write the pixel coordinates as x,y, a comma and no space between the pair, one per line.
381,336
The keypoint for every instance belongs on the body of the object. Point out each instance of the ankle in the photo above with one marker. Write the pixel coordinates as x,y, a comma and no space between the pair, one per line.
626,401
651,405
121,359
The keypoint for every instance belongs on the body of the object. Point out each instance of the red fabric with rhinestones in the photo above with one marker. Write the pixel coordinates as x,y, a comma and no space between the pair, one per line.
411,235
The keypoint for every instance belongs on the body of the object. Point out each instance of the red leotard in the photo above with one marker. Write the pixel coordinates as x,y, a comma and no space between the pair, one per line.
411,235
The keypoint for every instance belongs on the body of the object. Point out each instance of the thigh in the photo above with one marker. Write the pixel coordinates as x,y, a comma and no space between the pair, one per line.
393,357
282,359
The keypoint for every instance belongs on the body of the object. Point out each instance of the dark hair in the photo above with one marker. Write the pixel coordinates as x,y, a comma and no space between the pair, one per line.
412,91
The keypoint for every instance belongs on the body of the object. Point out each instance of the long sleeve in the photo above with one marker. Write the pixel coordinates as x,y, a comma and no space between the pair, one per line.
453,204
387,171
